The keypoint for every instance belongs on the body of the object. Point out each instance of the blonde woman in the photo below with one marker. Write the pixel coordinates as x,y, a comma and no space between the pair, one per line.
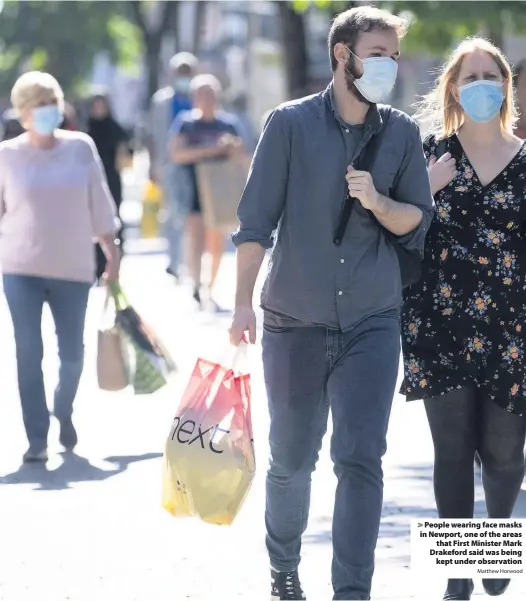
520,86
464,323
54,201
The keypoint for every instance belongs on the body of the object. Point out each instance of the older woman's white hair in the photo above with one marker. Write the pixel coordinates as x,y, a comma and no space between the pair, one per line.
34,88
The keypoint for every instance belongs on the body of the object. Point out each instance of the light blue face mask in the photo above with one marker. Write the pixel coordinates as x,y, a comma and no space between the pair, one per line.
481,100
46,119
378,79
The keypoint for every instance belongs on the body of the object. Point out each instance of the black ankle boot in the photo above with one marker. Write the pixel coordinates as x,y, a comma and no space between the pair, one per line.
458,590
495,586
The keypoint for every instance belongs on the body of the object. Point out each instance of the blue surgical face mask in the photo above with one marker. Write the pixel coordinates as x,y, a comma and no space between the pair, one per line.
46,119
481,100
378,79
182,84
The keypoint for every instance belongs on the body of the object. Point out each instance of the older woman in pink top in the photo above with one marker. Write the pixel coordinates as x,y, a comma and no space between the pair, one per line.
54,202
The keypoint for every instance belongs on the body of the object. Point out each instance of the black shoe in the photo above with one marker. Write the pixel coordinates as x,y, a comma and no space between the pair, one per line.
495,586
286,585
197,297
458,590
68,435
34,455
173,273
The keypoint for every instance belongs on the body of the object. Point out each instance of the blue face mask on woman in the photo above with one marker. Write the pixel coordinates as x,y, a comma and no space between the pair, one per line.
46,119
481,100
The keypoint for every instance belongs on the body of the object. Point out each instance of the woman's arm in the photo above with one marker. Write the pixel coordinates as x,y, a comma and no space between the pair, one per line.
183,154
112,252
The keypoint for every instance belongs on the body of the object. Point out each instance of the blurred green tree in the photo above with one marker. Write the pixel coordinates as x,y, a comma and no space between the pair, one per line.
162,18
294,39
436,26
64,37
59,37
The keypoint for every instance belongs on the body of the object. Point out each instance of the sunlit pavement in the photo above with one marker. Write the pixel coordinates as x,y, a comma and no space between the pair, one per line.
89,527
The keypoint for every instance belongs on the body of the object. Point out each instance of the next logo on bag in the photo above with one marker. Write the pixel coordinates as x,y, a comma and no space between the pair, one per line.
190,432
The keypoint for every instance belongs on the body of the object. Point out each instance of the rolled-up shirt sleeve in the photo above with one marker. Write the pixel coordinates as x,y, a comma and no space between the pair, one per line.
103,210
413,188
263,199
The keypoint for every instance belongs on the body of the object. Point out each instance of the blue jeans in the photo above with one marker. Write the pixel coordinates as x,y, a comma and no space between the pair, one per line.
176,191
307,370
67,301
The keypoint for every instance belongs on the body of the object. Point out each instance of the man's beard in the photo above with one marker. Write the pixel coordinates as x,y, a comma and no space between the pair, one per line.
351,75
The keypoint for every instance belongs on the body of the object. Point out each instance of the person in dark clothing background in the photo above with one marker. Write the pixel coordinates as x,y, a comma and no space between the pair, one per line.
112,144
12,128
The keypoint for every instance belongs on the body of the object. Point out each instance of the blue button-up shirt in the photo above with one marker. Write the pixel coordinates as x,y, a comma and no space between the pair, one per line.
294,193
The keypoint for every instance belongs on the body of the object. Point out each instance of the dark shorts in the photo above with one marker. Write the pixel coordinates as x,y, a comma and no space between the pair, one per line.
195,206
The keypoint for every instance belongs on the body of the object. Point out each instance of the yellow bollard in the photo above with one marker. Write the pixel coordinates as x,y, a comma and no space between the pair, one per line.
151,207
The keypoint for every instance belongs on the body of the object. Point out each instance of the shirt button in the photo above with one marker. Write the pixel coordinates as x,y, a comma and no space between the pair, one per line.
342,260
340,292
346,131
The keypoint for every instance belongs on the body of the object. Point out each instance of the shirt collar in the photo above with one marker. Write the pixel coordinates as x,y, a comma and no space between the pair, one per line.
373,119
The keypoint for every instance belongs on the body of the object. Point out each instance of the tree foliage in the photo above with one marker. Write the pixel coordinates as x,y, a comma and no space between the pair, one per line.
152,35
436,25
60,37
65,37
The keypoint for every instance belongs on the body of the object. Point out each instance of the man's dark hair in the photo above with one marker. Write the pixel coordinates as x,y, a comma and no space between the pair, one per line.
348,25
519,69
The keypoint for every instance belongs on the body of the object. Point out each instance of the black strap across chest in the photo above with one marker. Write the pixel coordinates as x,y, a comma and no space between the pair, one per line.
364,162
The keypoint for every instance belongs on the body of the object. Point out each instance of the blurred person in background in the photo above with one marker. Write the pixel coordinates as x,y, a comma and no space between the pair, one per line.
11,125
54,202
519,81
203,134
13,128
463,329
69,121
166,105
112,145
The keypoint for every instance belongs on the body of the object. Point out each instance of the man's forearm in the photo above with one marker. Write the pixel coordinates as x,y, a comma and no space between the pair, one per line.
398,217
249,258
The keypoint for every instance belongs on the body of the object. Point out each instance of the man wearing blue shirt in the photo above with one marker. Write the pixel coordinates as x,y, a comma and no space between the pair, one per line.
167,104
332,297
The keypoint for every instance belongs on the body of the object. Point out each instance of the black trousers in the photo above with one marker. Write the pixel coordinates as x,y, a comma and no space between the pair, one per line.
115,186
462,423
100,257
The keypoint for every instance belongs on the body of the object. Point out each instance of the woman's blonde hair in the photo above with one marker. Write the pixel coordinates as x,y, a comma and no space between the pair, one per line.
34,87
440,106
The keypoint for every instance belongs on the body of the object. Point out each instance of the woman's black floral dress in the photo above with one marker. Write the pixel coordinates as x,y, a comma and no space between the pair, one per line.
464,322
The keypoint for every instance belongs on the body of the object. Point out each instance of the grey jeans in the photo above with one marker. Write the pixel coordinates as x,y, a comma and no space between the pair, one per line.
307,371
26,296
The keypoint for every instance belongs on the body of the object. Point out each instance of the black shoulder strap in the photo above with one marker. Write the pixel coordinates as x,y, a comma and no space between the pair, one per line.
367,158
441,148
364,163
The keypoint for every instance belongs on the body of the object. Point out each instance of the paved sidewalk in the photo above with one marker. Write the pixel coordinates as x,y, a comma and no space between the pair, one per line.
90,528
